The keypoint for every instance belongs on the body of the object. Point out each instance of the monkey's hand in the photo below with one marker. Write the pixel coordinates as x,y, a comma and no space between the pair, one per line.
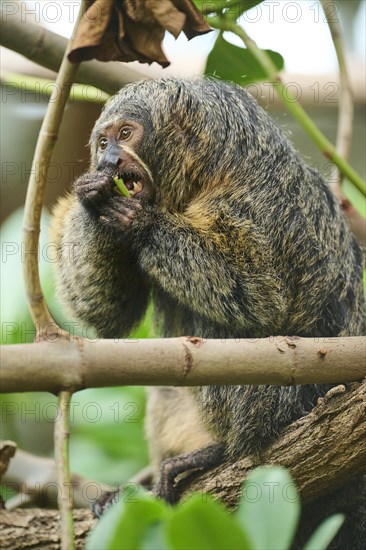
120,213
94,190
97,193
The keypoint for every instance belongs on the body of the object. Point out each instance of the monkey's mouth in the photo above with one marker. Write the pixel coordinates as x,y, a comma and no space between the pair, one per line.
137,182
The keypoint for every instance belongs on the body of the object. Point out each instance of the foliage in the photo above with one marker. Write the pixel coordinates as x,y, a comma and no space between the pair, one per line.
236,64
267,517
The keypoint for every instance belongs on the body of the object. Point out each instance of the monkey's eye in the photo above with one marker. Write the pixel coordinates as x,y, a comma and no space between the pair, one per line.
125,133
102,143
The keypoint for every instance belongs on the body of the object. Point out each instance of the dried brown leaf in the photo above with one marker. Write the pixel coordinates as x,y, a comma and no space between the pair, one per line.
129,30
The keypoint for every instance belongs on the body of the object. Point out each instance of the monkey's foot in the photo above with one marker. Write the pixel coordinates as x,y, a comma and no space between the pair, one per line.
203,459
104,502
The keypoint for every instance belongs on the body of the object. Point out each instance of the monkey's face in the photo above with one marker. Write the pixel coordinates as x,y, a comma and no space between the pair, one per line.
179,139
117,146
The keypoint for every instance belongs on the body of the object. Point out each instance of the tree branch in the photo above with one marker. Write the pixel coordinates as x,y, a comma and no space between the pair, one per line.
325,146
38,528
345,116
37,181
47,49
185,361
34,478
323,451
65,496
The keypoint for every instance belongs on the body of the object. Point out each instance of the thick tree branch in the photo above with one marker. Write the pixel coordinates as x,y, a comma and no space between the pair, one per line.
185,361
34,478
37,528
323,451
47,49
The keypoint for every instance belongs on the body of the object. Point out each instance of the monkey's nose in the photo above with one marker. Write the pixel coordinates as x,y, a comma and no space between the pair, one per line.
110,159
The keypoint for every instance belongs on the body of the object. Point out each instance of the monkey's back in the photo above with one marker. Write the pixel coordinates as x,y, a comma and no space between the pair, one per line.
279,216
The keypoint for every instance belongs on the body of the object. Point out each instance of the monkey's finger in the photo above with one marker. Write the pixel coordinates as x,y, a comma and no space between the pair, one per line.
116,220
120,203
93,193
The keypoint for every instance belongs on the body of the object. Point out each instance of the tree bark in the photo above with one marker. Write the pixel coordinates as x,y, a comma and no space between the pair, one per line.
323,451
38,528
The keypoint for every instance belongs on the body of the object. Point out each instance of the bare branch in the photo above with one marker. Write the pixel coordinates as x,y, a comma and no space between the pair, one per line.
47,49
35,477
181,361
345,112
65,497
37,181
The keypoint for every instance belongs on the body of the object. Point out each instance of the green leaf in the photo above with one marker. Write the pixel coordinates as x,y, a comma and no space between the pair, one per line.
204,524
154,538
269,509
126,525
229,62
325,533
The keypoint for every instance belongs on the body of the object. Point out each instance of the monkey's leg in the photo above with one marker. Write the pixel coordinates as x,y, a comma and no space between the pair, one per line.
173,425
203,459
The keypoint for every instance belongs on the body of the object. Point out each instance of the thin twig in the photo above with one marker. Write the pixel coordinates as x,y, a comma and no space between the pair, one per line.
44,86
33,204
345,123
325,146
345,112
65,493
37,305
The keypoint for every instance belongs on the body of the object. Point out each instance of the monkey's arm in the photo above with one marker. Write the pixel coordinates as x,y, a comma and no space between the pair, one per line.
98,278
223,272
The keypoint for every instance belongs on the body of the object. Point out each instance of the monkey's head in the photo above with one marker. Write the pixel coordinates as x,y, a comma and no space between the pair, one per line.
117,143
169,139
